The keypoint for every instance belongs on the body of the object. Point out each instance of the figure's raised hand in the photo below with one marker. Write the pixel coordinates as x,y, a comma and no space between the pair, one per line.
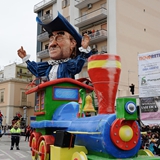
85,41
21,53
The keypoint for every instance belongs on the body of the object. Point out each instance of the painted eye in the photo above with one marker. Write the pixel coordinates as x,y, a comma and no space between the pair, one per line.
130,107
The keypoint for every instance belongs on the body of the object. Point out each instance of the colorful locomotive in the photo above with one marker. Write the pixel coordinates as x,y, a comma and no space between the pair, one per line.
64,132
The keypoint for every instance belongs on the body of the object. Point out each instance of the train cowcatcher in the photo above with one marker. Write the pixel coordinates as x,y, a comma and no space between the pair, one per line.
68,126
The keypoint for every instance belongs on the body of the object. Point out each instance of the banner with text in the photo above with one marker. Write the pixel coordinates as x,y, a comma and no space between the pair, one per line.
149,85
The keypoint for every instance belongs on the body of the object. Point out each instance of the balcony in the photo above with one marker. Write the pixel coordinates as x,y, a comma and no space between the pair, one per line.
83,3
47,18
43,54
98,36
43,4
24,74
43,37
91,17
27,104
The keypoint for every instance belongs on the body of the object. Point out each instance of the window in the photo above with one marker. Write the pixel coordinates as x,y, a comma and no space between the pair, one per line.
20,70
46,46
2,96
104,49
65,3
48,12
40,101
23,98
94,46
68,93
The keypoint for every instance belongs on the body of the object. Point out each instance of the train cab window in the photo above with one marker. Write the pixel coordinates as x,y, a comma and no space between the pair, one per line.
68,93
40,101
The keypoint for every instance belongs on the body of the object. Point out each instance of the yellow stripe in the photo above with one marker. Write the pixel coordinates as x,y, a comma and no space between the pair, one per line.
104,64
78,132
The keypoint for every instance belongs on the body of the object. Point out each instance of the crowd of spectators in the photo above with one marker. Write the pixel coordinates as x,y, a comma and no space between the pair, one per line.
92,33
151,138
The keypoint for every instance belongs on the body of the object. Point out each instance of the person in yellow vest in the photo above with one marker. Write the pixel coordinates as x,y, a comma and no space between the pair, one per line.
15,136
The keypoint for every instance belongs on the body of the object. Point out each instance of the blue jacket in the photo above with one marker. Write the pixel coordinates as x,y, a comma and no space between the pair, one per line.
65,70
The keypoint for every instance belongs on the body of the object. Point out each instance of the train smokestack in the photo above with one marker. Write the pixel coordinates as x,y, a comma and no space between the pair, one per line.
104,72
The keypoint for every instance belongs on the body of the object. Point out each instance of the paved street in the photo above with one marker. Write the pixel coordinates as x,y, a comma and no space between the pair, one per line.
7,154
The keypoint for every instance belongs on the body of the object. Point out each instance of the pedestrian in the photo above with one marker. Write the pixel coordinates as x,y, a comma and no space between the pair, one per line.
27,132
15,136
1,118
67,49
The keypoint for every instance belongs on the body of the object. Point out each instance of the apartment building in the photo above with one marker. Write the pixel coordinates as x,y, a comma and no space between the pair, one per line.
14,80
123,27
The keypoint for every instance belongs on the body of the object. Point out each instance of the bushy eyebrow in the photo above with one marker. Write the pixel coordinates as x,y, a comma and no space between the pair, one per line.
62,33
58,33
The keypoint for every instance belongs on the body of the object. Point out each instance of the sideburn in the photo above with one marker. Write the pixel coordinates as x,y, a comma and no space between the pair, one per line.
73,48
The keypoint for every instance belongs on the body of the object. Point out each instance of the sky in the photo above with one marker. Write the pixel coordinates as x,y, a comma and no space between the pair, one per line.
18,27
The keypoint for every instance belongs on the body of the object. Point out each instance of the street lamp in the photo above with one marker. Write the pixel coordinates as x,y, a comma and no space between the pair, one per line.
25,113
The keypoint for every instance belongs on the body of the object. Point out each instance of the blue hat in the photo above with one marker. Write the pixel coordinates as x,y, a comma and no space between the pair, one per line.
61,24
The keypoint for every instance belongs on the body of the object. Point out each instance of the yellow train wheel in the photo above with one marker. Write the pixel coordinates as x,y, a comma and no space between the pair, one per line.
33,146
43,155
79,156
83,155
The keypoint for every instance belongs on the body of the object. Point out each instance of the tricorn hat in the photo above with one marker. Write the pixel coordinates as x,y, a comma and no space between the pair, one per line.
61,24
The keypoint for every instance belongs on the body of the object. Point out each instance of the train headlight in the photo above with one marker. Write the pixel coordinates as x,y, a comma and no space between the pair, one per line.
126,133
130,107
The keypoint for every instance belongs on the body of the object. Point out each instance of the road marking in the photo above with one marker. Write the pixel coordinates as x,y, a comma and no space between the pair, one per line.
19,155
7,155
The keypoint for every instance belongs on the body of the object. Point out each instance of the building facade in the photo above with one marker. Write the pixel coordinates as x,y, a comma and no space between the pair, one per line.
14,80
121,27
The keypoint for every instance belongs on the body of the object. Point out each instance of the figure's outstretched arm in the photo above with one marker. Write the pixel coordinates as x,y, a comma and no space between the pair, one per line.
85,41
85,44
38,69
21,53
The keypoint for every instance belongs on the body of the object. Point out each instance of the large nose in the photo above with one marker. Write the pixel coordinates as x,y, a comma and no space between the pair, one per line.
53,42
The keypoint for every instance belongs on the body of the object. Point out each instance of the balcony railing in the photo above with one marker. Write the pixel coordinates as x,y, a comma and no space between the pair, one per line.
43,4
25,103
43,37
98,36
24,74
43,54
91,17
46,18
83,3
